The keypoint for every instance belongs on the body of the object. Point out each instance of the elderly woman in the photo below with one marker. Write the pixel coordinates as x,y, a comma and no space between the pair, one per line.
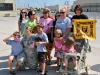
29,56
64,23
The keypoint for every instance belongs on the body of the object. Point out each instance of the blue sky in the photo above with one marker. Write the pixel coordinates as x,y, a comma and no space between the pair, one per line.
40,3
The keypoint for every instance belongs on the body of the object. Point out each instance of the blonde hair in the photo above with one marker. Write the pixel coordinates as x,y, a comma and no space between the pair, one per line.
69,41
58,31
47,10
29,28
66,9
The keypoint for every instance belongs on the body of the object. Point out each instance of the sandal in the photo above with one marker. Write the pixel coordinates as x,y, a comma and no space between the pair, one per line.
12,73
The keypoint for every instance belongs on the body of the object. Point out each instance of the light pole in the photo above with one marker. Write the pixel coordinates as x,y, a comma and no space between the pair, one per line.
67,2
44,5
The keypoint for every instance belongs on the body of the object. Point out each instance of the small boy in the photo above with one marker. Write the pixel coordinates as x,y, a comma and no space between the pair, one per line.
16,49
41,47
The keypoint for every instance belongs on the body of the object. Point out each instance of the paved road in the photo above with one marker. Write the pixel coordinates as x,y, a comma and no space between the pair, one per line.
9,24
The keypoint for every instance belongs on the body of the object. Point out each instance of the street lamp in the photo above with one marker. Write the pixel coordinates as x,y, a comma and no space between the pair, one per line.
67,2
44,5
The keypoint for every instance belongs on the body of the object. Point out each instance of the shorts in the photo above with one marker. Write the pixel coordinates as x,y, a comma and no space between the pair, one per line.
68,57
42,57
57,54
49,38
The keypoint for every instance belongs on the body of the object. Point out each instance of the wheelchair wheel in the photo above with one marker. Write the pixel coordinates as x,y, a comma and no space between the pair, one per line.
62,73
87,70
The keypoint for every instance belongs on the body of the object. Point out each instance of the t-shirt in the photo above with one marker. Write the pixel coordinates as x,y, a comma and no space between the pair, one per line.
65,49
48,23
31,24
58,43
23,24
82,16
42,47
49,17
63,24
70,17
17,47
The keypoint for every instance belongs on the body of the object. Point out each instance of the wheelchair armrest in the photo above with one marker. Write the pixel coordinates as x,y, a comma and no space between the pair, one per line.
74,54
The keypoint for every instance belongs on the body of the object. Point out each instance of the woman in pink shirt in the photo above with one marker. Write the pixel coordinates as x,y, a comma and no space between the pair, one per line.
69,48
48,24
58,44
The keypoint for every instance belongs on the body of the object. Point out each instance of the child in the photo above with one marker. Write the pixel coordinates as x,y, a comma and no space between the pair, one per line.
16,49
67,48
58,43
41,47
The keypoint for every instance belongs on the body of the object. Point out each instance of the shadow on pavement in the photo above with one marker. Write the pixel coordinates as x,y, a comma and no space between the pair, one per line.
4,57
4,68
95,67
25,72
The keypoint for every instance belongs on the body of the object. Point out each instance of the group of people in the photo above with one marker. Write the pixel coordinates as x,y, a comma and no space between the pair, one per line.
35,39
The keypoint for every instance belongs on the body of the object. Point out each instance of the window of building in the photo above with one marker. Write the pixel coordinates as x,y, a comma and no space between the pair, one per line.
6,6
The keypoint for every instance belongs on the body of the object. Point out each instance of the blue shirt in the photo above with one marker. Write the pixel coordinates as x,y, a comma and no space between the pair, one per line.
42,47
17,47
70,17
63,24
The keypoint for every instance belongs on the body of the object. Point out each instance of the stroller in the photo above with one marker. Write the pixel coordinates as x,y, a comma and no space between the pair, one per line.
82,47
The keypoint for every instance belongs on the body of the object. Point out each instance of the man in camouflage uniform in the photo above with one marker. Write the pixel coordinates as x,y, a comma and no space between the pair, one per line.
29,56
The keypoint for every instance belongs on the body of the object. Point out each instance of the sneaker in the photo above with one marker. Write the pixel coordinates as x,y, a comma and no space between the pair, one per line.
12,73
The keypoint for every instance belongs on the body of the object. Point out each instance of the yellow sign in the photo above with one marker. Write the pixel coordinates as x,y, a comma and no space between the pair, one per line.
85,29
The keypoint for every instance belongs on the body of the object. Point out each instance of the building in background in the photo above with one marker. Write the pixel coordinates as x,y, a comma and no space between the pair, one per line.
8,8
55,8
88,5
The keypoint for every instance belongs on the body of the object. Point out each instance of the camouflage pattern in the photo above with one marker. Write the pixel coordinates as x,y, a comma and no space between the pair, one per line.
29,56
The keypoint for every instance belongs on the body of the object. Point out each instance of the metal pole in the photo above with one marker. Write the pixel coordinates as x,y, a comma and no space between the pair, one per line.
96,7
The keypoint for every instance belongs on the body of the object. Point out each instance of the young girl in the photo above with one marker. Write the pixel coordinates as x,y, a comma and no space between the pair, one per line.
58,43
68,48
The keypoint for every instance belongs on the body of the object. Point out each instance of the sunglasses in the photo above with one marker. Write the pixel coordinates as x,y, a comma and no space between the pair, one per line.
17,35
23,12
45,12
57,15
62,12
33,14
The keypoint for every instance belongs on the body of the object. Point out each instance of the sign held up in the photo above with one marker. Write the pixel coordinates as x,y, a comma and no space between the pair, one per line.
85,29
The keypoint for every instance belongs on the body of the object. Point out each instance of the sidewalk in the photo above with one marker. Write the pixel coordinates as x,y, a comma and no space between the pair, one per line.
9,25
4,69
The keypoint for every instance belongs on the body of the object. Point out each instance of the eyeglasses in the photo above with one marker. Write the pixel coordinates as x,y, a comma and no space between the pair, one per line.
62,12
45,12
23,12
57,15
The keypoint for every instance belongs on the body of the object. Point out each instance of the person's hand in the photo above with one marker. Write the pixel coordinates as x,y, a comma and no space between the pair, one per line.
66,54
72,20
38,43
